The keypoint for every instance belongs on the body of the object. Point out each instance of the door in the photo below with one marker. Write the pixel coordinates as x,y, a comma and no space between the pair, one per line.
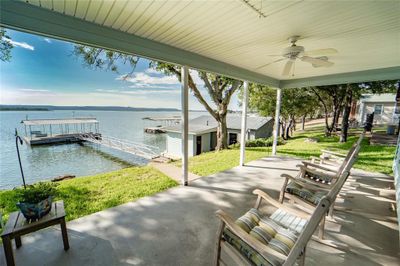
198,145
232,138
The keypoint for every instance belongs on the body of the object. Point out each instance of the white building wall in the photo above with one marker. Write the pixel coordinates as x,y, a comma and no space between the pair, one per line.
174,143
383,119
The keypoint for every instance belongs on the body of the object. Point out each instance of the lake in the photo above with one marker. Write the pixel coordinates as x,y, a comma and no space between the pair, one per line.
46,162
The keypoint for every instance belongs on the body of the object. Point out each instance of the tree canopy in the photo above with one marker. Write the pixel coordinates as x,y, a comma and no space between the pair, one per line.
5,46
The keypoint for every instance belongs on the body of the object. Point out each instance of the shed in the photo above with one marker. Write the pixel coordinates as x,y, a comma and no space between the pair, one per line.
203,133
382,105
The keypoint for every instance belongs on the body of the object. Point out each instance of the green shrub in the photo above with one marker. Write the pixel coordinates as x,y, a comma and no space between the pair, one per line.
262,142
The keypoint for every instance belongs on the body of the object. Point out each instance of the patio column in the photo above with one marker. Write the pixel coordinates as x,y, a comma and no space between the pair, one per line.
243,132
184,123
277,113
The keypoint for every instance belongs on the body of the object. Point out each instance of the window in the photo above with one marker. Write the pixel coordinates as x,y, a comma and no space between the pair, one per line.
378,109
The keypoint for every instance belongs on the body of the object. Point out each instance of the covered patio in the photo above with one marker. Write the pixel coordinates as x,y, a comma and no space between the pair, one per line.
178,226
235,39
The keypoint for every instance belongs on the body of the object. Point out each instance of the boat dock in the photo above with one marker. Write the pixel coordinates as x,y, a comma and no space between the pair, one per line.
58,131
154,130
162,123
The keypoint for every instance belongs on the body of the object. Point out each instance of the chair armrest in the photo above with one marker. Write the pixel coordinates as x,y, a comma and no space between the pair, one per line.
262,249
306,163
316,172
279,205
334,153
309,184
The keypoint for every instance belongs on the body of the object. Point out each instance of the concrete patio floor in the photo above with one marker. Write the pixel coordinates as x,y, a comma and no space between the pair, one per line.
178,226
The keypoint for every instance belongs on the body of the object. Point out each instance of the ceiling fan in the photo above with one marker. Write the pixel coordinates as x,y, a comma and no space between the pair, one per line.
294,52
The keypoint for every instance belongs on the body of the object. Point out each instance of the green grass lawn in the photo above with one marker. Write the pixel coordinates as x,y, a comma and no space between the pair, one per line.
86,195
213,162
371,158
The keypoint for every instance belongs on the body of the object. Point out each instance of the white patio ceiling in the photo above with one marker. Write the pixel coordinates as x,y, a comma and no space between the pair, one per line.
228,37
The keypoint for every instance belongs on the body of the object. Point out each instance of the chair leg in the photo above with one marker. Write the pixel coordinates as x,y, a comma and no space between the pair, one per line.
321,228
282,194
302,258
331,208
217,254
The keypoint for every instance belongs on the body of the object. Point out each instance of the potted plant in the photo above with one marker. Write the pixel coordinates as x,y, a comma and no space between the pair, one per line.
36,200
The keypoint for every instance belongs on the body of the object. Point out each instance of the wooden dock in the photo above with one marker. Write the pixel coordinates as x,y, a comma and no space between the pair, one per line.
56,139
154,130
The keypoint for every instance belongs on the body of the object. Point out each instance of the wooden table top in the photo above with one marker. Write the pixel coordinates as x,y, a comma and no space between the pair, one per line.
17,221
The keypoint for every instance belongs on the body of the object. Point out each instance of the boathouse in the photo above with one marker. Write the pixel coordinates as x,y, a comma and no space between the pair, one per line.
55,131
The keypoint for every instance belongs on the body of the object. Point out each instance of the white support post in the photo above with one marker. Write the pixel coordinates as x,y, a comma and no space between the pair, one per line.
243,132
277,114
184,122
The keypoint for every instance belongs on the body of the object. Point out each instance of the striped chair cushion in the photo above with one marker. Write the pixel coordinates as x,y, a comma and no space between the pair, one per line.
311,196
319,178
266,231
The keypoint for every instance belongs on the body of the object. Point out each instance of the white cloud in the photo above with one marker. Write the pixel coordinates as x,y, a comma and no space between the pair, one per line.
152,71
33,90
141,91
143,79
47,40
21,44
152,79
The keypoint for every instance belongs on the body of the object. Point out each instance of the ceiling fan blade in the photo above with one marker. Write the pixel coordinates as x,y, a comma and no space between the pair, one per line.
316,61
288,68
326,51
281,59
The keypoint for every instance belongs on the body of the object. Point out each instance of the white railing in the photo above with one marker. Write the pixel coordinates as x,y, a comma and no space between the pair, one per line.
136,148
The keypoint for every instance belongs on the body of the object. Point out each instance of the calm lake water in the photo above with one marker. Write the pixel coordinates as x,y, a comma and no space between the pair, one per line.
46,162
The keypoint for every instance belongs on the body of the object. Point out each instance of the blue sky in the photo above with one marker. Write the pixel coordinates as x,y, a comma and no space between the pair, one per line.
44,71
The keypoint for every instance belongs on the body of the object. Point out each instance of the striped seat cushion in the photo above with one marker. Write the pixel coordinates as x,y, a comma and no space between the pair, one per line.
266,231
319,178
311,196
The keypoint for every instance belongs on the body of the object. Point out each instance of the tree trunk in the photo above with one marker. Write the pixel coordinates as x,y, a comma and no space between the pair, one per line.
327,128
288,128
303,122
283,127
346,115
222,134
332,126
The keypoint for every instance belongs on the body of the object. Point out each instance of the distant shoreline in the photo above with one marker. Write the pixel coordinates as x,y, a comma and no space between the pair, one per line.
23,109
84,108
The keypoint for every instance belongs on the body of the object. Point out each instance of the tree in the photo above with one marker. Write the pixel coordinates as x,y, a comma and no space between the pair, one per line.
346,114
5,46
295,103
332,99
220,89
335,98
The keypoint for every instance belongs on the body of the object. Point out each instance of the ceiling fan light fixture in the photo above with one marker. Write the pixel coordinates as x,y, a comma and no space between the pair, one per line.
293,51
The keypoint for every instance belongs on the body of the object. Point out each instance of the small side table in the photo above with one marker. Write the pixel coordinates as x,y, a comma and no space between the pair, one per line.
18,226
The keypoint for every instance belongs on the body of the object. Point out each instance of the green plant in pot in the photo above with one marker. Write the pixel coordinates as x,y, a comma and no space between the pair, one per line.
36,200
